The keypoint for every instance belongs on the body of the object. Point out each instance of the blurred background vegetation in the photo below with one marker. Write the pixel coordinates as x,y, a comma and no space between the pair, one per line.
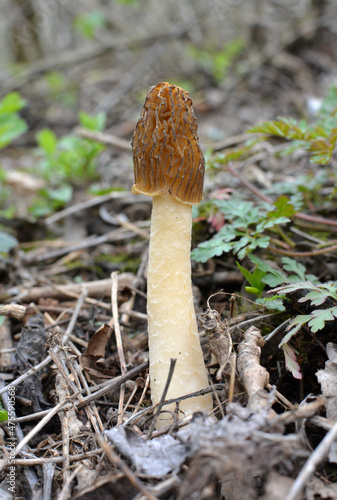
66,63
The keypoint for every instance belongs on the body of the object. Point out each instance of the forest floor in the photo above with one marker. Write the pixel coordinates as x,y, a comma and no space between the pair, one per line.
77,418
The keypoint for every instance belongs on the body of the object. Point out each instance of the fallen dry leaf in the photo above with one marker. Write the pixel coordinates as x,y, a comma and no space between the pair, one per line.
93,361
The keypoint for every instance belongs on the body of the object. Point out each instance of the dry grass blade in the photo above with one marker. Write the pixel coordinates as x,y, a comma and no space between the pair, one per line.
115,324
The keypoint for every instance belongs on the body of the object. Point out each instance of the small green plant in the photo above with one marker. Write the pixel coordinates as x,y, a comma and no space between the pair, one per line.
264,274
245,228
317,295
254,279
66,162
316,320
70,158
217,62
11,125
319,138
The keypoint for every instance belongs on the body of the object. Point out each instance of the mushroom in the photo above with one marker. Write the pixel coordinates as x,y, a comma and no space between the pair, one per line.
169,166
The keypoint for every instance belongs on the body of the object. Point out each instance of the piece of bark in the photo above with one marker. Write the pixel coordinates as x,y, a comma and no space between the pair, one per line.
252,375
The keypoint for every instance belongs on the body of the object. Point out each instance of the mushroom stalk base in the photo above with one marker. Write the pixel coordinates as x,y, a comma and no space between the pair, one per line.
173,331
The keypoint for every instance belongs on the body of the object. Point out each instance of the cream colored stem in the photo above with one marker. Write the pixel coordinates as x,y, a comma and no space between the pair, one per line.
173,331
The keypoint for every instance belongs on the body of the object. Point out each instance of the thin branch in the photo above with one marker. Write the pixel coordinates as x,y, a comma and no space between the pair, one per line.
84,205
112,385
311,253
29,473
100,389
57,460
36,429
163,396
115,235
65,492
309,468
104,138
70,403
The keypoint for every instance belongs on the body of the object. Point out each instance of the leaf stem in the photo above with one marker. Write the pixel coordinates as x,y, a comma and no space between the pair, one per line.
311,253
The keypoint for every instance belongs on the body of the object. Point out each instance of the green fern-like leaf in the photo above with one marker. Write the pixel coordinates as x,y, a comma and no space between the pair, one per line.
317,295
319,318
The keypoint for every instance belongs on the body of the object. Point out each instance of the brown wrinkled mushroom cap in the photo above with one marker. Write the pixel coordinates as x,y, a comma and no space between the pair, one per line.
166,151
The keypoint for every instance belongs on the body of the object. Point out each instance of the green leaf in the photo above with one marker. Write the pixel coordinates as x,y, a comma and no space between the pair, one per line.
215,61
294,287
319,140
274,279
293,266
317,297
95,122
11,103
11,127
254,279
300,271
261,264
47,141
266,224
295,325
62,194
7,242
282,128
56,81
320,316
283,208
260,242
3,415
274,303
239,153
209,249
